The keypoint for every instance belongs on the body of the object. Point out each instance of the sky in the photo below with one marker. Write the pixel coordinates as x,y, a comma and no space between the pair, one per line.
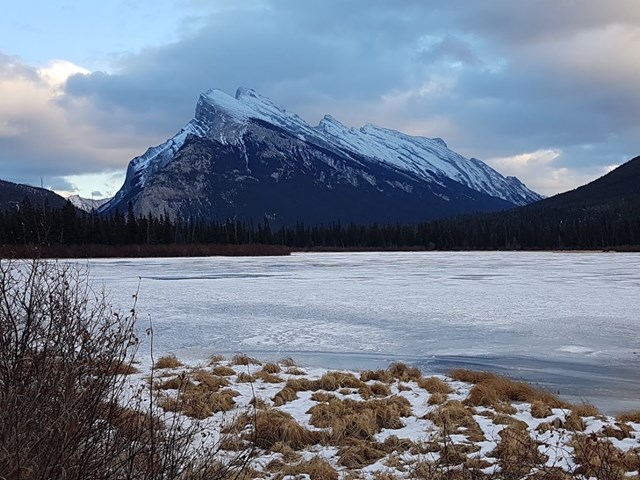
547,90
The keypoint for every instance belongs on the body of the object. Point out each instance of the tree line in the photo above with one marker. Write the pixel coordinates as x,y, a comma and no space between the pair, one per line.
606,225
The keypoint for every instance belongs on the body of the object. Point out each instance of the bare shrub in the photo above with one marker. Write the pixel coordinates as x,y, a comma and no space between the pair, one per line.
65,410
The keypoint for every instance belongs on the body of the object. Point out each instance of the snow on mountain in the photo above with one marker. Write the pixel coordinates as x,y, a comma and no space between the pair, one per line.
87,204
226,120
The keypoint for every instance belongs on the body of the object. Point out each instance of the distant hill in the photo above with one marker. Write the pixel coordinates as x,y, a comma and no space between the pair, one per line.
602,214
621,183
12,194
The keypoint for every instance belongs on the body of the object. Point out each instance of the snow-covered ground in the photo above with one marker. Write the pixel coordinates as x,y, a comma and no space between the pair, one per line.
568,321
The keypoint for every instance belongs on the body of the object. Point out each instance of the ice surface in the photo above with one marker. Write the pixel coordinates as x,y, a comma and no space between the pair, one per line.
567,321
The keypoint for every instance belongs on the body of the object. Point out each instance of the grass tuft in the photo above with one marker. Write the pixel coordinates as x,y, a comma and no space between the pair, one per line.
223,371
404,373
242,359
168,361
271,368
435,385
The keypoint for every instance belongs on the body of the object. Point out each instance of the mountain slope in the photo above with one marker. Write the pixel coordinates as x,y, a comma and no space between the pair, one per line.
248,158
12,194
87,204
603,214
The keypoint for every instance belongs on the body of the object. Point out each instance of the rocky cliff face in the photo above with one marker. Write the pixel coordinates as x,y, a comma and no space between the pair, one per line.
247,158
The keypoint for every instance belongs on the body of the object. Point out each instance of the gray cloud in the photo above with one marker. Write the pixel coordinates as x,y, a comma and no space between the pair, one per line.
496,79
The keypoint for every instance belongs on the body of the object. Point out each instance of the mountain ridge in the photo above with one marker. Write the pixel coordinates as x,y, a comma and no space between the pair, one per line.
250,117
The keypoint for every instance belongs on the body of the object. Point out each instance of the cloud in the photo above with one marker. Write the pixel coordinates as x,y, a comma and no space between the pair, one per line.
46,135
500,80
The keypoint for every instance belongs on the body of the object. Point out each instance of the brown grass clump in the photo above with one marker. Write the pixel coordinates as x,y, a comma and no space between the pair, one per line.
383,376
212,382
287,394
335,380
288,362
502,419
517,453
223,371
274,426
599,458
404,373
317,469
271,368
242,359
380,389
350,419
198,403
633,416
359,454
491,390
620,431
181,382
215,359
259,403
454,417
244,377
435,385
437,398
585,410
289,455
168,361
470,376
322,396
294,371
268,377
540,409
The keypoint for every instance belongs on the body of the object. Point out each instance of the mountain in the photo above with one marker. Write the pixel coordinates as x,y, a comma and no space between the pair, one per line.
603,214
87,204
246,157
12,194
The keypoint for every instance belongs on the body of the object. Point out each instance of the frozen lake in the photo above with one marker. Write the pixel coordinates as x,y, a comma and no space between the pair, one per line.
567,321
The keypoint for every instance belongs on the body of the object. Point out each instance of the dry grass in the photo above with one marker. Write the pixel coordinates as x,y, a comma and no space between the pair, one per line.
287,394
437,399
620,431
495,391
199,403
317,468
244,377
470,376
540,409
359,454
435,385
502,419
360,420
295,371
383,376
212,382
288,362
268,377
271,368
223,371
274,426
168,361
322,396
242,359
215,359
404,373
633,416
585,410
454,417
600,459
517,453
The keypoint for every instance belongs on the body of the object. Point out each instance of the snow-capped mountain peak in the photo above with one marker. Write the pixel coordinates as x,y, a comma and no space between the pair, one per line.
249,116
